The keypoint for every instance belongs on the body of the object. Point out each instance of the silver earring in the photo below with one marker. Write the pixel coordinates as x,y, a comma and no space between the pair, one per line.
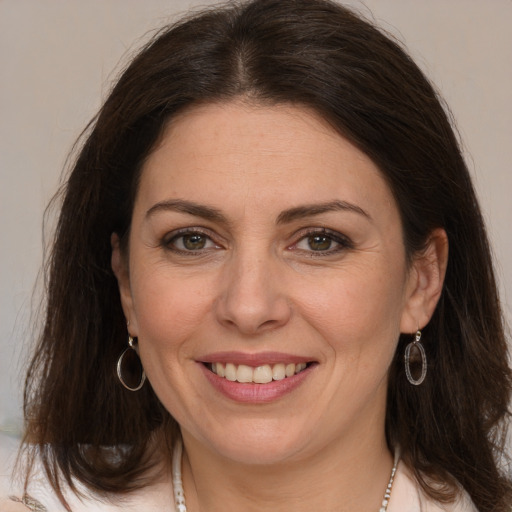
129,368
418,347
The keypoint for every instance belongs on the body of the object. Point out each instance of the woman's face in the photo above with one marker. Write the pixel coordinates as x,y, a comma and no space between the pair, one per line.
265,248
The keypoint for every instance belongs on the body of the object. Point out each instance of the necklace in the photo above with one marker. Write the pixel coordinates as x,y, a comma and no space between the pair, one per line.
179,495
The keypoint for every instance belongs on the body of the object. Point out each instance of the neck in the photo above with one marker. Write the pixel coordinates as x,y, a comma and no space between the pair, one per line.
345,476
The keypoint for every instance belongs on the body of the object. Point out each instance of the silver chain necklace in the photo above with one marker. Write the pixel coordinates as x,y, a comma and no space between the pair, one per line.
179,495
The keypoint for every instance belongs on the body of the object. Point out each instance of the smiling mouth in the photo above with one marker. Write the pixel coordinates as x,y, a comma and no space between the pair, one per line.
256,375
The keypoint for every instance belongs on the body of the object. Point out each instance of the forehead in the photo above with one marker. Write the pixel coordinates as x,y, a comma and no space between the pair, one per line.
277,156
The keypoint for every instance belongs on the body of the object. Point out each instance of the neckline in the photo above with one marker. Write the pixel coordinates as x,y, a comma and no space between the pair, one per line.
179,493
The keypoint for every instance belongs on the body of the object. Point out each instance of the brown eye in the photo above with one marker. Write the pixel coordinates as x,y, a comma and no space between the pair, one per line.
322,242
191,241
194,242
319,242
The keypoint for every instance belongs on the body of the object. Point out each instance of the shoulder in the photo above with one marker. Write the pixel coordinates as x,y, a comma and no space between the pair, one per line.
8,451
7,505
25,504
40,496
13,497
407,497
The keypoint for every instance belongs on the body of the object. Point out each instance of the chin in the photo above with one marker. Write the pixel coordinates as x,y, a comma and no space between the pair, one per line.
257,454
260,445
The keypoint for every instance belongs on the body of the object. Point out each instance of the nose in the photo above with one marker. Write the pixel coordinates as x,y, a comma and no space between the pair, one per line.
253,298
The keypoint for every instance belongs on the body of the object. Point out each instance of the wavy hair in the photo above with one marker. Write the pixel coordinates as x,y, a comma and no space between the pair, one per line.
318,54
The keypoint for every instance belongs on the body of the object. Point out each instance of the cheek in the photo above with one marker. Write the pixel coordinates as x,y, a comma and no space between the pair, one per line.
167,308
170,311
357,310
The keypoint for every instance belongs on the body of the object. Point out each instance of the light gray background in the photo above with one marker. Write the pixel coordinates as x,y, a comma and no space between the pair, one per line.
58,58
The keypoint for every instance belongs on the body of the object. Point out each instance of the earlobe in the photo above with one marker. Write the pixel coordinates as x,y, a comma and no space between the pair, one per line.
426,279
121,271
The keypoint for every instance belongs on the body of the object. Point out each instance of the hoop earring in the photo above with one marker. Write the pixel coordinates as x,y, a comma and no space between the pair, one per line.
415,344
130,371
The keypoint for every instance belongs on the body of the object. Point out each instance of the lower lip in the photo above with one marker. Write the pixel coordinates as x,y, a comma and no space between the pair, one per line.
251,393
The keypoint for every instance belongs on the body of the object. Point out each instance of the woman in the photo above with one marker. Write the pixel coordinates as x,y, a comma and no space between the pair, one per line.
271,286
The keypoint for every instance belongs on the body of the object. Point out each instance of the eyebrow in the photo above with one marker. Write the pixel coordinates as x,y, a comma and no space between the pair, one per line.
215,215
189,207
301,212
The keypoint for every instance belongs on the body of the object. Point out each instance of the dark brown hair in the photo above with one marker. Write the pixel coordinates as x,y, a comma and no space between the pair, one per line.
314,53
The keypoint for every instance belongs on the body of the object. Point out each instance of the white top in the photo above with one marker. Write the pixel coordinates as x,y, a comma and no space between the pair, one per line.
405,496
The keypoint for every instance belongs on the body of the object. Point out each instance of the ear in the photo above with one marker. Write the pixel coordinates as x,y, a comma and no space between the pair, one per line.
122,272
425,282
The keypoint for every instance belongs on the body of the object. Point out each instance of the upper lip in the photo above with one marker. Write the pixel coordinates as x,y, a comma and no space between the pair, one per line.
254,359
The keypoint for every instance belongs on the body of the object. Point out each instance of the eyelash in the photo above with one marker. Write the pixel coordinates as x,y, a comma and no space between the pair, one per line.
169,241
342,242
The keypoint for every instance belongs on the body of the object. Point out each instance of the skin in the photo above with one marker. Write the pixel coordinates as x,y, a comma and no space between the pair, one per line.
257,285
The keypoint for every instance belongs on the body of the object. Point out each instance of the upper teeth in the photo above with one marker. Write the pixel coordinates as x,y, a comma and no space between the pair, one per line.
259,374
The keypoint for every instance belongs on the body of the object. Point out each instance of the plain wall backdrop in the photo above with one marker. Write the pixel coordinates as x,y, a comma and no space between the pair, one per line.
58,59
